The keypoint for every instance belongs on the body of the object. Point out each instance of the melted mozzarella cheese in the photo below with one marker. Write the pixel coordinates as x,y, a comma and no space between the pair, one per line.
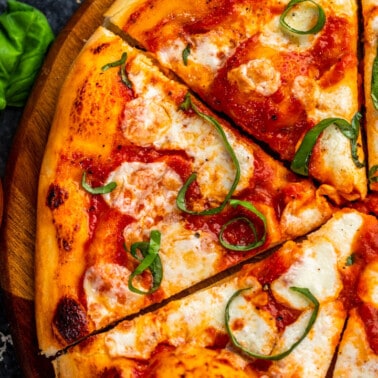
144,189
316,270
211,49
256,75
149,112
320,103
178,323
258,332
374,28
187,256
341,232
336,101
105,287
338,167
208,50
302,17
173,129
295,219
312,357
273,36
171,52
355,359
198,319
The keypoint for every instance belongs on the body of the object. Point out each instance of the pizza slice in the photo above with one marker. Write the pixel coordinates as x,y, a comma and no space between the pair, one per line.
285,72
279,317
370,16
358,350
144,192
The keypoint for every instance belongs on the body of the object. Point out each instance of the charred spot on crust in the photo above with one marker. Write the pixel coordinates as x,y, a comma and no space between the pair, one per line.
70,320
55,196
65,244
99,48
112,372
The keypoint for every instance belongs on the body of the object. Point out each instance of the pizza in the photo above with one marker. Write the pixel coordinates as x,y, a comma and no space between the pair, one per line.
140,150
257,322
204,204
370,17
276,83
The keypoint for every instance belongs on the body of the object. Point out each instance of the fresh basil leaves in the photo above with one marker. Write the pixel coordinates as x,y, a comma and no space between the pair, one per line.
25,36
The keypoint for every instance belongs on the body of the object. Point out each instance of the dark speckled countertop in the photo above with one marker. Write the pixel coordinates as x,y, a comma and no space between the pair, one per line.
58,13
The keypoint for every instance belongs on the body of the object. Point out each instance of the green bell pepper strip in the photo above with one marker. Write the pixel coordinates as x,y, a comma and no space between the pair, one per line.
315,29
306,293
181,201
351,131
151,260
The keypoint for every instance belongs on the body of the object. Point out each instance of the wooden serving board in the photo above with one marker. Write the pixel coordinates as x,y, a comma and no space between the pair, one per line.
21,181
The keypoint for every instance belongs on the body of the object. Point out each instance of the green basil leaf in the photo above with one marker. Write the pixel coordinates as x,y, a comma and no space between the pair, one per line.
122,64
350,260
351,131
99,189
355,124
247,247
373,174
374,82
116,63
185,54
180,201
150,260
303,291
25,36
315,29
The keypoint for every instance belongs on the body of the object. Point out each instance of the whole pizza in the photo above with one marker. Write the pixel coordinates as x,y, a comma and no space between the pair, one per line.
207,201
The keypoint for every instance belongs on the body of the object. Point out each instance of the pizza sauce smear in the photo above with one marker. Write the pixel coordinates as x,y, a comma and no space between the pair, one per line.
274,112
266,273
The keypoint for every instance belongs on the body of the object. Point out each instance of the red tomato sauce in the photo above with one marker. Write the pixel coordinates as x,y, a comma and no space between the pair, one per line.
280,119
333,45
367,244
272,269
283,315
369,316
99,212
365,251
218,12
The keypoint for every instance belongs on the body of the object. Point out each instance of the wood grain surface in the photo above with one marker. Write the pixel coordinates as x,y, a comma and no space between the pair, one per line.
21,182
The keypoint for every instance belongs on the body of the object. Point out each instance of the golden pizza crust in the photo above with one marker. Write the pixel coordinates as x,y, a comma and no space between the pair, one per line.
58,270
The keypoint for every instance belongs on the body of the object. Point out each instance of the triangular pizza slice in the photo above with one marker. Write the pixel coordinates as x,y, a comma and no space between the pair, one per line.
280,317
144,192
358,350
370,64
284,71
